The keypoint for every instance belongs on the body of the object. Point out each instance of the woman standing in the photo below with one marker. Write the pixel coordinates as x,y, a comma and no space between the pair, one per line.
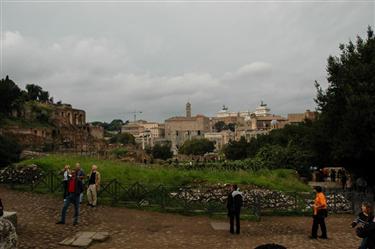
320,213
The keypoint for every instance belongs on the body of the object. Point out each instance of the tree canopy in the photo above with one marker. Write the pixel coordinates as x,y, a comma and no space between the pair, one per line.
197,147
348,105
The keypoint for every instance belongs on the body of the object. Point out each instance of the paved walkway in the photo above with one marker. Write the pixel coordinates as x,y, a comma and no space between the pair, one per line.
129,228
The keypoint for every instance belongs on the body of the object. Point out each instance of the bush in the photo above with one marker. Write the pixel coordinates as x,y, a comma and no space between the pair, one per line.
162,151
197,147
119,152
10,151
122,138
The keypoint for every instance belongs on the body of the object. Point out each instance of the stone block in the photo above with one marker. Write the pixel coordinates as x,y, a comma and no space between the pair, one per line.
87,235
12,217
67,241
101,236
82,242
220,226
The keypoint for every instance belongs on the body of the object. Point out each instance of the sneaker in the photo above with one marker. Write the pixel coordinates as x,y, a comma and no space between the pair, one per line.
60,222
75,223
312,237
323,237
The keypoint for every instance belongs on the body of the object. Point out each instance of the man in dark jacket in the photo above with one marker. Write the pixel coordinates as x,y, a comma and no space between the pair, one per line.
74,190
368,232
234,204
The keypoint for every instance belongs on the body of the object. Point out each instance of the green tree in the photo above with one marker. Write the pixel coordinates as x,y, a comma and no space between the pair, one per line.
162,151
10,94
236,150
197,147
115,125
348,106
123,138
33,91
219,126
10,151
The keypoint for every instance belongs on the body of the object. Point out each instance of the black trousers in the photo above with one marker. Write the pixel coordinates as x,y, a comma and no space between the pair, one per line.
318,220
231,220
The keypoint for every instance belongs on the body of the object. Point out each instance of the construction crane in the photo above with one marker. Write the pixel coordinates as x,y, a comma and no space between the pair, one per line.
135,114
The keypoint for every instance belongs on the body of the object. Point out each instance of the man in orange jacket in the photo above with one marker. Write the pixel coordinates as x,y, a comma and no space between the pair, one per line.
320,213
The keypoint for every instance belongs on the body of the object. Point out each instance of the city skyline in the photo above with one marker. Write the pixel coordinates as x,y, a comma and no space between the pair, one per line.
112,58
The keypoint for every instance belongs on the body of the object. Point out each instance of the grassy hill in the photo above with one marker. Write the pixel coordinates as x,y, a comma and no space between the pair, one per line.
280,179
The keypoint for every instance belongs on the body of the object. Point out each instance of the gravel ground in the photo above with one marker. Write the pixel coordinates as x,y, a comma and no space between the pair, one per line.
131,228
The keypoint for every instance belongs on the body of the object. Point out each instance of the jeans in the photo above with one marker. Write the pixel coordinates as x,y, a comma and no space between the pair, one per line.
363,244
231,220
74,199
318,220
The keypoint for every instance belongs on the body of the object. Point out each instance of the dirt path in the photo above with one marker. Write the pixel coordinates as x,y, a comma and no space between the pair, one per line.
129,228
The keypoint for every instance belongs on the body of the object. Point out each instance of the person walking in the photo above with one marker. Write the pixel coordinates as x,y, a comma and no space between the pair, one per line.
320,213
94,185
363,219
8,234
66,175
80,177
74,191
234,204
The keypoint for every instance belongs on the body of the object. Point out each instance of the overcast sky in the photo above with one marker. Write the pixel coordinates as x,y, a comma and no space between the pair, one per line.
113,58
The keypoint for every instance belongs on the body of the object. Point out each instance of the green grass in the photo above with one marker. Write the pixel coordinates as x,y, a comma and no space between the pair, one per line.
6,122
127,173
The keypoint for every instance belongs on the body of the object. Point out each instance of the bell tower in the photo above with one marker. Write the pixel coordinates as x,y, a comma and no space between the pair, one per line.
188,110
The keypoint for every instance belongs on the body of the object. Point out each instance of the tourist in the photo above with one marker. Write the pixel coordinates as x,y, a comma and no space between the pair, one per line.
74,191
333,175
361,184
344,179
8,234
367,232
93,188
320,213
234,204
80,177
363,219
66,175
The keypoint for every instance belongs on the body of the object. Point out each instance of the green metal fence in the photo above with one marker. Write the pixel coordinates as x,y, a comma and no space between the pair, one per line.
196,199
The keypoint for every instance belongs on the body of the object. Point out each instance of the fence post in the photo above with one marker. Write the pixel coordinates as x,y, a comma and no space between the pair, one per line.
334,202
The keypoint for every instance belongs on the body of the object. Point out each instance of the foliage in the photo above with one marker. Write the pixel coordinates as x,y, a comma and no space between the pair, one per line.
162,151
10,151
197,147
9,94
221,126
115,125
347,106
123,138
35,92
119,152
280,179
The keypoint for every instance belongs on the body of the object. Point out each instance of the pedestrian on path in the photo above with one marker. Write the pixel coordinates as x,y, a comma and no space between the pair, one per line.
80,177
66,175
320,213
74,190
94,185
363,219
368,232
8,234
234,204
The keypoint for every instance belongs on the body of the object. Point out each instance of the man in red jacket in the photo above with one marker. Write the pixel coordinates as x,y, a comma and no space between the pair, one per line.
74,191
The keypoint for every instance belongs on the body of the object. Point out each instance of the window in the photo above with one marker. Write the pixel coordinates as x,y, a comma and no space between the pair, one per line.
199,132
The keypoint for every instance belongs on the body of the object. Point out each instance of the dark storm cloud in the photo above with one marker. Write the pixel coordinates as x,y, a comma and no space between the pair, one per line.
110,59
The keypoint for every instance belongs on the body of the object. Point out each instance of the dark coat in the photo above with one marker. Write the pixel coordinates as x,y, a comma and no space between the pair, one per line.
234,202
367,231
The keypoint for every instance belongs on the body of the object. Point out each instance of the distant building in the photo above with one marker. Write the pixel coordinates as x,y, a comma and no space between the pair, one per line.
294,118
145,133
220,138
180,129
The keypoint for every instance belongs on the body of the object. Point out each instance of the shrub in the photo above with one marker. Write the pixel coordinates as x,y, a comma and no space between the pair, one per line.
10,151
